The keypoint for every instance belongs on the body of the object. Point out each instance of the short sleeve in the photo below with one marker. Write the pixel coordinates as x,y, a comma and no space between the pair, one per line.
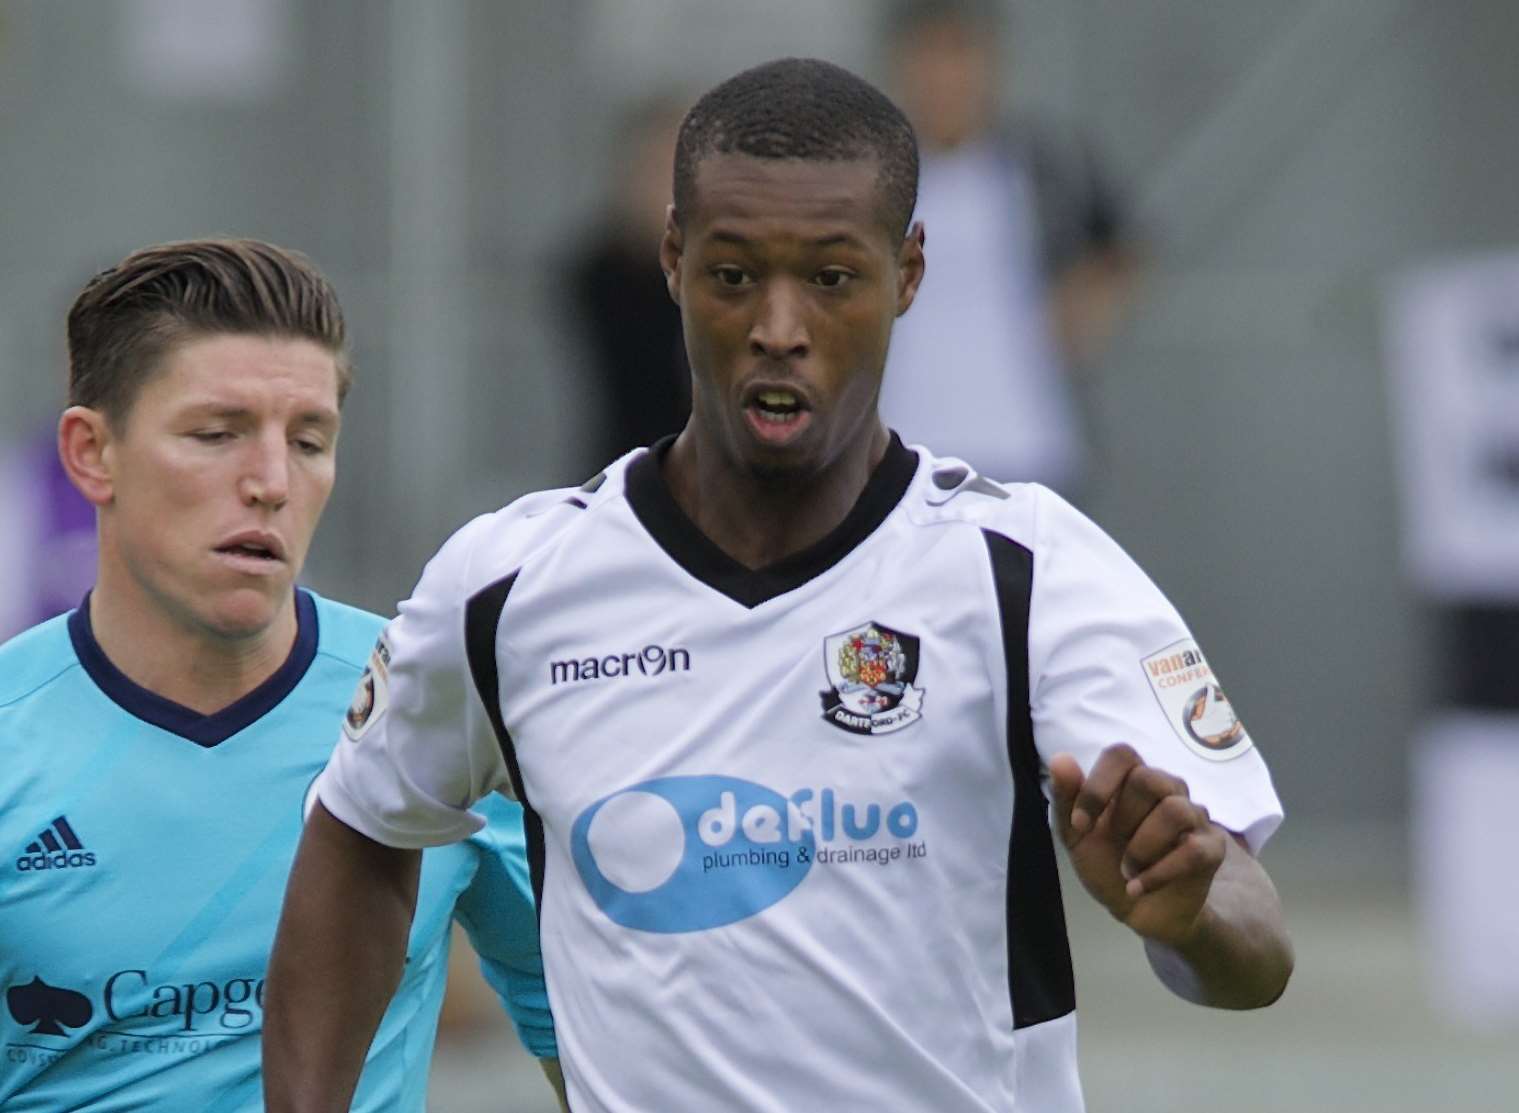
417,748
499,915
1110,661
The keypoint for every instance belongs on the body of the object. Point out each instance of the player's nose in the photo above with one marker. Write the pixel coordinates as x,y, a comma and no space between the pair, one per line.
266,474
779,328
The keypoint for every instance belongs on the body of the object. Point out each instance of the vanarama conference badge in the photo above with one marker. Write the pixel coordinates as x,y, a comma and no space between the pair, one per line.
1193,703
871,668
371,697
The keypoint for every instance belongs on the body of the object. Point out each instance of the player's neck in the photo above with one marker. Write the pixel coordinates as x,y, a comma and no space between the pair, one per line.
760,519
173,657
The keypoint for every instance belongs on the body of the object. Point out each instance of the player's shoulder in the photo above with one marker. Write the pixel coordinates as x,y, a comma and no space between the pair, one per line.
34,657
500,543
948,490
345,632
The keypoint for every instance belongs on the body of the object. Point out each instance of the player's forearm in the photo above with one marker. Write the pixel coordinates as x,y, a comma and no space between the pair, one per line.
338,956
1239,956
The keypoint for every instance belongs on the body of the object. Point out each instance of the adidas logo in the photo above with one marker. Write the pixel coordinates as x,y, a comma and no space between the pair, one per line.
57,848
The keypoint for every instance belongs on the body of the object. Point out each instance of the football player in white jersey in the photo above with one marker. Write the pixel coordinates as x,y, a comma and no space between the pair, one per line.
746,904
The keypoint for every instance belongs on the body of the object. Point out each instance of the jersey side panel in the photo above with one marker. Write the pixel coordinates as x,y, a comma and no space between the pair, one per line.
1039,955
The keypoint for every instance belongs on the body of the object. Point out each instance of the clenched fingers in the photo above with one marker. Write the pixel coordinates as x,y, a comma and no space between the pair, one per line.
1171,852
1102,785
1145,789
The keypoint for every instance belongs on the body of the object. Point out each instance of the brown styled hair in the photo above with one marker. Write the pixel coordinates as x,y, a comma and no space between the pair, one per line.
128,316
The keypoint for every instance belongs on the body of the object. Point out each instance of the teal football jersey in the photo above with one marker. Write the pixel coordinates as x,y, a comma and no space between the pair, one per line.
143,855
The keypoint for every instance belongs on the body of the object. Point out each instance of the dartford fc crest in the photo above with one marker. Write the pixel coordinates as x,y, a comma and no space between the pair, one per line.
872,668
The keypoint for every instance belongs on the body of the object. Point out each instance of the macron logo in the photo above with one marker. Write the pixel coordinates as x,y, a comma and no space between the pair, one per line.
57,848
651,660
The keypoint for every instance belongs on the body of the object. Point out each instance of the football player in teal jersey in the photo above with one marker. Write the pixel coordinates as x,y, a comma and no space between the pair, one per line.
156,744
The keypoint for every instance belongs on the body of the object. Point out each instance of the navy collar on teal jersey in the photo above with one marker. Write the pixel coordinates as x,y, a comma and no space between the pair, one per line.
203,730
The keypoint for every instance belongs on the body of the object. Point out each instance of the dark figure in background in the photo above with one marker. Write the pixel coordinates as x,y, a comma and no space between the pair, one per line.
1034,260
620,304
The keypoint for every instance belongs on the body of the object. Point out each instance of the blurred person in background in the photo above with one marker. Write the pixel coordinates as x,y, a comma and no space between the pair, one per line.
754,898
1033,259
617,296
159,739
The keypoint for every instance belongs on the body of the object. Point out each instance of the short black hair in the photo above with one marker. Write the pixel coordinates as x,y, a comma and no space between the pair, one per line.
802,108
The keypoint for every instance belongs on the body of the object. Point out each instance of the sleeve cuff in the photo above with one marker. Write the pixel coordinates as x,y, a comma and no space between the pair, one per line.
337,800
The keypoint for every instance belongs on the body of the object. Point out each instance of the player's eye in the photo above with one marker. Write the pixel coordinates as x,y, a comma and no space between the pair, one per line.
730,276
211,436
311,447
831,278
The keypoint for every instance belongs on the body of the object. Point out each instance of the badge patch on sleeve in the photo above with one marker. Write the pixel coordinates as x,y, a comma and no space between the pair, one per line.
1193,703
370,697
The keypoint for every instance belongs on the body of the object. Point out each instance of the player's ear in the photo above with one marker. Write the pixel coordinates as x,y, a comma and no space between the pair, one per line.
85,450
910,266
670,246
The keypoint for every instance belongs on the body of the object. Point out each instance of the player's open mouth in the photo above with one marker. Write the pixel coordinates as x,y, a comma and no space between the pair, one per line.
776,414
777,407
248,550
253,550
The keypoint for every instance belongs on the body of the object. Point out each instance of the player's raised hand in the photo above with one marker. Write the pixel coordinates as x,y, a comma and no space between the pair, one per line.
1139,843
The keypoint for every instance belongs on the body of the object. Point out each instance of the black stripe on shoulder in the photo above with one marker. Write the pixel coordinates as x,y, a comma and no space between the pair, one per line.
482,620
1040,978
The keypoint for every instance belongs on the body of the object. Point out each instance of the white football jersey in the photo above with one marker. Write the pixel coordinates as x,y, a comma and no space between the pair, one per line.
789,827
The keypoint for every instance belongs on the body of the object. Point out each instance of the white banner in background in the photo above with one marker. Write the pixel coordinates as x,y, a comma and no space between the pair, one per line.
1465,827
1453,349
